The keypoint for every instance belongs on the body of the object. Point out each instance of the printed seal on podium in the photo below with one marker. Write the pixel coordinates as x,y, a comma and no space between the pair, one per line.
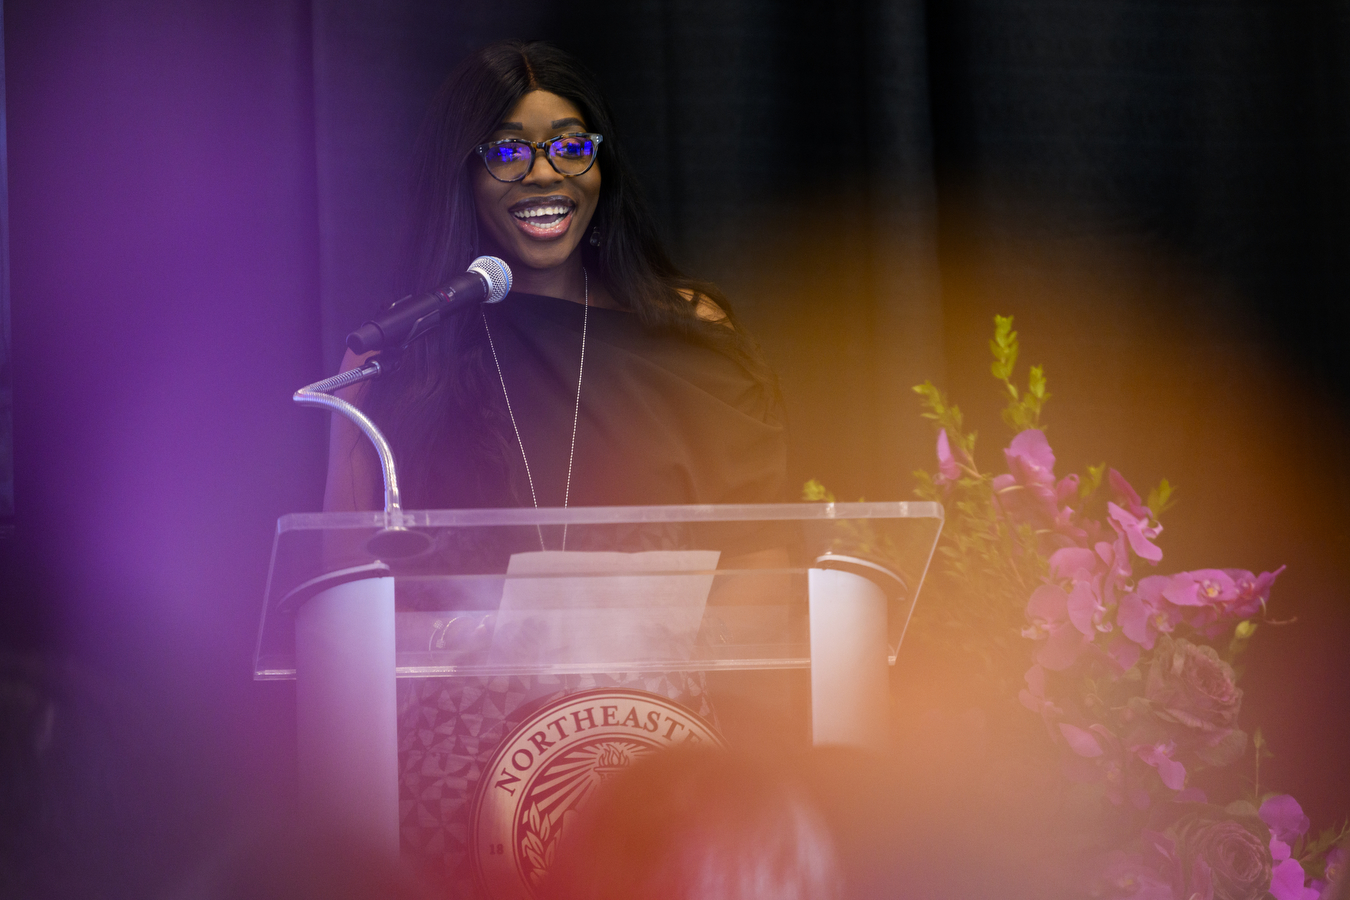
547,769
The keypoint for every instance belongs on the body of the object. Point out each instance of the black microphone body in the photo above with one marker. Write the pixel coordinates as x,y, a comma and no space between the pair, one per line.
412,317
488,280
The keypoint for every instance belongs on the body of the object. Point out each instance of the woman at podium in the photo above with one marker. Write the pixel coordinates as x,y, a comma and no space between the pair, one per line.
606,377
519,158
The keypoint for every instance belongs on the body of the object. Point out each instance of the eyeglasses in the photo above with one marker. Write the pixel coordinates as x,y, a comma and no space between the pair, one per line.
568,154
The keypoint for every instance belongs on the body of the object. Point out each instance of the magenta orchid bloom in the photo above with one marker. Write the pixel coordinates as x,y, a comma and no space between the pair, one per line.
1086,608
1077,563
1287,823
1028,492
1116,558
1287,881
1159,756
1066,489
1082,741
1145,612
1048,615
1333,869
1030,459
948,470
1137,531
1205,595
1126,497
1202,587
1252,591
1122,653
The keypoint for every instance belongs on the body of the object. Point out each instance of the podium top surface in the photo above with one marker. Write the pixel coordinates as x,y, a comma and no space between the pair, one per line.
720,586
600,515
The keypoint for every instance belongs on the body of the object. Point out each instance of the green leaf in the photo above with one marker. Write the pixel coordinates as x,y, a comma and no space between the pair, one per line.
815,492
1242,635
1310,854
1036,383
1160,498
1004,349
1095,474
1226,751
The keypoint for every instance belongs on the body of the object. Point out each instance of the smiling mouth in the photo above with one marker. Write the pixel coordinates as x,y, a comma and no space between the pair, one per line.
543,217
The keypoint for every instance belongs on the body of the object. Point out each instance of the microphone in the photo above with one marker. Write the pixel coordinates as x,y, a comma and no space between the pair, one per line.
487,281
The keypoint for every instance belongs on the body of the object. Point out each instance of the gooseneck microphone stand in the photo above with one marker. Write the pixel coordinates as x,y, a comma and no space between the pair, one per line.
395,540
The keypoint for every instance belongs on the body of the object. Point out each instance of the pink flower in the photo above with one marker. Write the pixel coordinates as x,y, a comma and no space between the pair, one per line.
1122,653
1159,756
1137,531
1067,489
1286,820
1082,741
1287,824
1223,857
1078,563
1028,491
1083,568
1286,882
1126,497
1252,591
1048,615
1202,587
1117,560
1030,459
1130,876
1086,610
1195,694
948,470
1333,870
1100,757
1205,594
1145,613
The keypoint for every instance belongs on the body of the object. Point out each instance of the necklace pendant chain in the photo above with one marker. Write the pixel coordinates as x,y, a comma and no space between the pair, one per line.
576,410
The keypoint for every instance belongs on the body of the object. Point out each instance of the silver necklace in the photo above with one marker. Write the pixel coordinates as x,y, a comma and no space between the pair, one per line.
576,411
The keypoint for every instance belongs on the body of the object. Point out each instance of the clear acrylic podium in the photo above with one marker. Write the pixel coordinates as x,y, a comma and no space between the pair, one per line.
825,586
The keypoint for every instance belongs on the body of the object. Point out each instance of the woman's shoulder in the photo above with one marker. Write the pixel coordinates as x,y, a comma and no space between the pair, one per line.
350,360
705,308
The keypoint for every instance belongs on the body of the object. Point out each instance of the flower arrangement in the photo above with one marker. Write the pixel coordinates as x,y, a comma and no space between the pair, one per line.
1131,672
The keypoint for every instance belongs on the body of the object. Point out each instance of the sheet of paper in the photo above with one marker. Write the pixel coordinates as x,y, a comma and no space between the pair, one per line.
601,607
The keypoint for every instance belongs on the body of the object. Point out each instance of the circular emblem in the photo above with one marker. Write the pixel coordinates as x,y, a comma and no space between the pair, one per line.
546,770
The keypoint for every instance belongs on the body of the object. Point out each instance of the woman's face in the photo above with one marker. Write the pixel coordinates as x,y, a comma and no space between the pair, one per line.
539,221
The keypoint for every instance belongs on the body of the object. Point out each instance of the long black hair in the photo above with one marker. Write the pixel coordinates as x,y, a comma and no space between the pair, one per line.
442,382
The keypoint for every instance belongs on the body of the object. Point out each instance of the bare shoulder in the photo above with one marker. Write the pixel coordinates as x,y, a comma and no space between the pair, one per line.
351,360
705,309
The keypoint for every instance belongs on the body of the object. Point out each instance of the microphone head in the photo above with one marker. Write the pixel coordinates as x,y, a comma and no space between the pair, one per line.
496,273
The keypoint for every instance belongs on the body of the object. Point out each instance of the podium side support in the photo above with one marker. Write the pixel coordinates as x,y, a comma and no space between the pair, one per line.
346,711
850,684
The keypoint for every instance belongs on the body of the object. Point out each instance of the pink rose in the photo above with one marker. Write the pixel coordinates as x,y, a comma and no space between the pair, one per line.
1189,686
1223,857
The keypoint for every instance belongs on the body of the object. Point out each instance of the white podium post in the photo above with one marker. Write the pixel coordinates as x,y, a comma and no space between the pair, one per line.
850,683
346,711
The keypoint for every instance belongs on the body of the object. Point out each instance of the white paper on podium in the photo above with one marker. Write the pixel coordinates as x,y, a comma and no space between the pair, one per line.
602,607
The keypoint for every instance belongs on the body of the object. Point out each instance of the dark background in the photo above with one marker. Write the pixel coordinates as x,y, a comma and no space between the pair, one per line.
205,197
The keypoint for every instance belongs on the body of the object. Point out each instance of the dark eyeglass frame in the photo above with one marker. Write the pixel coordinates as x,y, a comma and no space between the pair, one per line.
546,146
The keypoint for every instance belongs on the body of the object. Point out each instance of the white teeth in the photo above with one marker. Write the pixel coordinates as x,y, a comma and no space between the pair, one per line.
536,211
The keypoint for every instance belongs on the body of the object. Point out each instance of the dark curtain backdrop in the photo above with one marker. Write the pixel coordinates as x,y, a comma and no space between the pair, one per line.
205,197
